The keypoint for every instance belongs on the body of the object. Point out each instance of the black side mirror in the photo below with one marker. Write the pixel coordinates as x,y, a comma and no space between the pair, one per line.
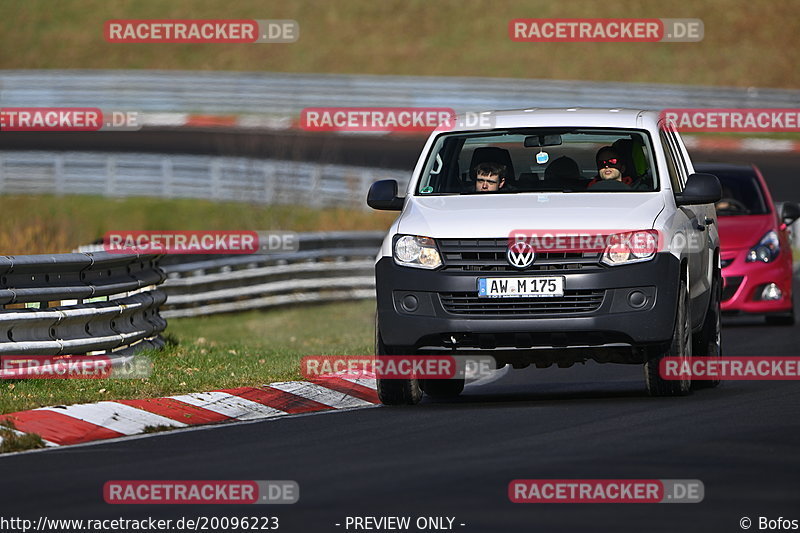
700,189
789,213
383,195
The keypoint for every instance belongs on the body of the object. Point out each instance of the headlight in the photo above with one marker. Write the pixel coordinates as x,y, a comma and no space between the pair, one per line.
633,247
417,252
767,250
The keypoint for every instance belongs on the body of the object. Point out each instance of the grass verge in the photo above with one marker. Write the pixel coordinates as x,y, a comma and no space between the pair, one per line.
53,224
217,352
745,43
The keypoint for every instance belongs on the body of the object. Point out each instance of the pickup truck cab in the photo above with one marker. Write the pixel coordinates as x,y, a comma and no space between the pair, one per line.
550,236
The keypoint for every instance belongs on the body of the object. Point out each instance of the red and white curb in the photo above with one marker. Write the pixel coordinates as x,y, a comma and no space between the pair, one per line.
75,424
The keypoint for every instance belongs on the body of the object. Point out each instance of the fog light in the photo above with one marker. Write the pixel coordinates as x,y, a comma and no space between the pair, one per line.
410,303
637,299
771,292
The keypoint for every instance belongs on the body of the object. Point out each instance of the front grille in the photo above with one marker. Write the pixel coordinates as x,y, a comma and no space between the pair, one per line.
573,301
730,287
725,262
489,255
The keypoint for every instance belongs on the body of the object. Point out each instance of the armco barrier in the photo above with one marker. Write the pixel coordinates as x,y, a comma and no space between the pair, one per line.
241,179
327,267
80,303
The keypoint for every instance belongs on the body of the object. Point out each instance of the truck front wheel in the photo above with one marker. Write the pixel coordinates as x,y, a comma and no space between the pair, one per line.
394,391
681,347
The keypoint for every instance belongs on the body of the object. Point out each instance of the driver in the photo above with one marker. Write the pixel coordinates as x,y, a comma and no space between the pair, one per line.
728,202
610,167
489,177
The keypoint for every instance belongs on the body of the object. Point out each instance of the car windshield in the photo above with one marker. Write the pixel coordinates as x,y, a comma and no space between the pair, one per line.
741,193
540,160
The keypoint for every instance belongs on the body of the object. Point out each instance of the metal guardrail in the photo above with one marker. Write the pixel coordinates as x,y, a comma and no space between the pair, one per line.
80,303
217,178
287,94
327,267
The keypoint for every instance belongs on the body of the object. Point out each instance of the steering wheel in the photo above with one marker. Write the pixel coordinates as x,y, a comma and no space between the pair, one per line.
609,185
731,204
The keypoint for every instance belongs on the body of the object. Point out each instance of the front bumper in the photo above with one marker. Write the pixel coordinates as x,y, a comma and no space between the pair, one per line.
613,321
744,282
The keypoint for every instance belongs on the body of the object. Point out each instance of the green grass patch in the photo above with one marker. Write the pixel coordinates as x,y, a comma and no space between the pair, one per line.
12,442
216,352
745,44
51,224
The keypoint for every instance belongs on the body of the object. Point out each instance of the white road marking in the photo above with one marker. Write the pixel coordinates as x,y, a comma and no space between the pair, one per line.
115,416
229,405
321,394
367,380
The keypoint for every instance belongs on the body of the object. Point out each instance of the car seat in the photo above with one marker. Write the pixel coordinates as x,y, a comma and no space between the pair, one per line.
491,154
631,151
564,173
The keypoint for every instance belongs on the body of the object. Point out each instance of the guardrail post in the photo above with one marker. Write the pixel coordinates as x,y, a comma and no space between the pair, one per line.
166,177
215,172
111,176
316,185
58,174
268,169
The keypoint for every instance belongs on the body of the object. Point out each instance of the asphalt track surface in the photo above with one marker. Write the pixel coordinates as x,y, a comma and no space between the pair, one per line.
457,458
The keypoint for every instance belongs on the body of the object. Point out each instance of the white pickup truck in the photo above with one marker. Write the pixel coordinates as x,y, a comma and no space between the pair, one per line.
550,236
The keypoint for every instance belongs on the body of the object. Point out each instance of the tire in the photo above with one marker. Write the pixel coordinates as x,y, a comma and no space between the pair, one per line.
394,391
443,388
680,346
709,341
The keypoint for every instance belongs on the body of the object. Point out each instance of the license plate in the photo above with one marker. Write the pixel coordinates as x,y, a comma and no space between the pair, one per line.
520,287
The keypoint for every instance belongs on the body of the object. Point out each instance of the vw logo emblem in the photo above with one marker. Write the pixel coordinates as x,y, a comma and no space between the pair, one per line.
520,255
